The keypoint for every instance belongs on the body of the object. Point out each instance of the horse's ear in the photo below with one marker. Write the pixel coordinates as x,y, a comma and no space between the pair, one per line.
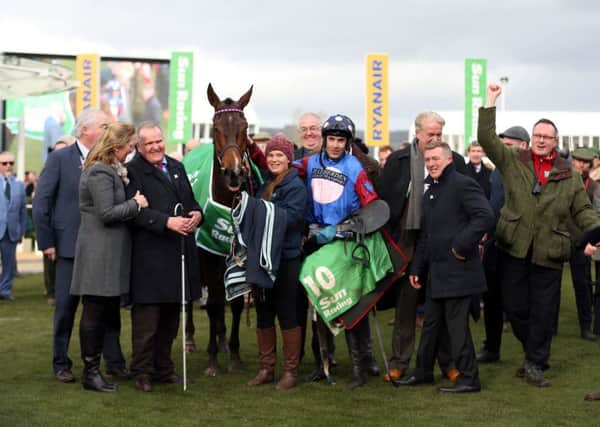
213,98
245,98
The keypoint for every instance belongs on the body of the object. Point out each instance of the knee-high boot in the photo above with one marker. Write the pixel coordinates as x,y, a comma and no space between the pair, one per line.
91,337
292,340
366,349
266,339
356,378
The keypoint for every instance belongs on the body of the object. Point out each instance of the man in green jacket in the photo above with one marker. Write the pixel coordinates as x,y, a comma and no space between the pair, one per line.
542,195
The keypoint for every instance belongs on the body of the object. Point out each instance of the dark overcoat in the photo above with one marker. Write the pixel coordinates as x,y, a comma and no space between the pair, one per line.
393,186
456,215
156,250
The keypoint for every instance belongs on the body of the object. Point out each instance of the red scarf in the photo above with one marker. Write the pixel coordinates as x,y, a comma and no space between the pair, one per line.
543,166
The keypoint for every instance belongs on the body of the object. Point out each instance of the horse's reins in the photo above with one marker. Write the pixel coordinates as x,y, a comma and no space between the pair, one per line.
247,169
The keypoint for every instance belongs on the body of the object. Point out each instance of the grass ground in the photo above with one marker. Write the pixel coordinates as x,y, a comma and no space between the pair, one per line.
29,396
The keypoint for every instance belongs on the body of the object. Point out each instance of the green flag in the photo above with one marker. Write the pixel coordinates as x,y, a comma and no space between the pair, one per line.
180,97
475,86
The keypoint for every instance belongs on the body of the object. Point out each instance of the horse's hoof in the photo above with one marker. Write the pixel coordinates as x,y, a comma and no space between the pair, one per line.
211,371
236,364
330,380
190,346
213,367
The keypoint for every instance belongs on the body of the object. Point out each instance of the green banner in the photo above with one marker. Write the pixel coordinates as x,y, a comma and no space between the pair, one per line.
334,282
216,232
180,98
475,89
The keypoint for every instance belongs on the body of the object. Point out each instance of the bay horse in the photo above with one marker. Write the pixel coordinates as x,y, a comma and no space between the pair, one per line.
231,173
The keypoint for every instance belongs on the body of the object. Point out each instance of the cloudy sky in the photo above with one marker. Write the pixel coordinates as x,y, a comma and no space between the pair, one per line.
309,55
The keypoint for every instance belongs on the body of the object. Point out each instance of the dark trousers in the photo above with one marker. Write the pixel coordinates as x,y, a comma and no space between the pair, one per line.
49,276
153,330
64,317
451,316
493,316
584,293
98,315
531,295
403,335
280,301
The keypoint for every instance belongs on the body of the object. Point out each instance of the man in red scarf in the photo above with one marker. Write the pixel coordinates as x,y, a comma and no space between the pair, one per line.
543,195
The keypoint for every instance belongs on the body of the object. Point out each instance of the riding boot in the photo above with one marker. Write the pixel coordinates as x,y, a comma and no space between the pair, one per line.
91,337
356,378
92,379
266,340
292,340
366,350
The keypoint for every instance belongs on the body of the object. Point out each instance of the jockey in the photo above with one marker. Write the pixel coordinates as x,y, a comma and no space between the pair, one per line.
338,185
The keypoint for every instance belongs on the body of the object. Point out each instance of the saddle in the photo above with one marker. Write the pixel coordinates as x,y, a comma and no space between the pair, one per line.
360,223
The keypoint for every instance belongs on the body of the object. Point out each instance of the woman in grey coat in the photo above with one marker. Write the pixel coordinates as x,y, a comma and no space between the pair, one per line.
103,250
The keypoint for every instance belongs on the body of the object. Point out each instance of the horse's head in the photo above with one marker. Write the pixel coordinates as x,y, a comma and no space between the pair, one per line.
230,137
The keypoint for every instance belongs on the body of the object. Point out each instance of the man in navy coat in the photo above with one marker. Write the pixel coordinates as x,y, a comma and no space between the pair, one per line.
456,215
56,218
13,217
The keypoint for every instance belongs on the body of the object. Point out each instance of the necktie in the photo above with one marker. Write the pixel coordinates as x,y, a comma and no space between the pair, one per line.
7,189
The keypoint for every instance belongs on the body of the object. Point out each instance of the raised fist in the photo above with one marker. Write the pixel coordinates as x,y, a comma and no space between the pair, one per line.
493,92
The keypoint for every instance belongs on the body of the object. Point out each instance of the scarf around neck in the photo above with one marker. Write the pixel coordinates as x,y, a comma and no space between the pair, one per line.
416,187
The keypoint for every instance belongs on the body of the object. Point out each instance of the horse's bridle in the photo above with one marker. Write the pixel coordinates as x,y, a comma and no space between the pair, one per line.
231,145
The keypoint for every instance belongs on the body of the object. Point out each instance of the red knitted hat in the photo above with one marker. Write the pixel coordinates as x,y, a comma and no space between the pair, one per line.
280,143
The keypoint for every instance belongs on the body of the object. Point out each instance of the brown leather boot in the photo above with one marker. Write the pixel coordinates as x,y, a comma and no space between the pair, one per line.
292,341
266,340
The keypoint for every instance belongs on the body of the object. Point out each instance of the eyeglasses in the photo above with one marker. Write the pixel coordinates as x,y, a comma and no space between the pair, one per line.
312,129
7,163
542,137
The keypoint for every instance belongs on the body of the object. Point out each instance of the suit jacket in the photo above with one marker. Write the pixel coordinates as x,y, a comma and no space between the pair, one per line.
156,250
392,186
13,213
482,177
103,251
456,215
56,202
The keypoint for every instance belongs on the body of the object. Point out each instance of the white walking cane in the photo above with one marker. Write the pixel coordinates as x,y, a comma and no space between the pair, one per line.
179,208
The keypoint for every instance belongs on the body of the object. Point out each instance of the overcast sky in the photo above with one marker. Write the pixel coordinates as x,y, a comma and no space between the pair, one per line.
309,55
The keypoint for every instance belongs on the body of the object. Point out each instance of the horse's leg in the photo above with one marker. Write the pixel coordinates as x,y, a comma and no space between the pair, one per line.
214,306
235,361
221,325
190,329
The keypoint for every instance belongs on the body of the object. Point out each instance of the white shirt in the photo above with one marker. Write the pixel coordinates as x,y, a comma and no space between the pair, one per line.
83,150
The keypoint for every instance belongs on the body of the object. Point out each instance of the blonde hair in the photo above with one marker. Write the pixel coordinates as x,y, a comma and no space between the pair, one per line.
117,135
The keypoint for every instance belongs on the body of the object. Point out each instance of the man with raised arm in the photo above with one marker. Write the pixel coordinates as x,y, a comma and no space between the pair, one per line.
542,195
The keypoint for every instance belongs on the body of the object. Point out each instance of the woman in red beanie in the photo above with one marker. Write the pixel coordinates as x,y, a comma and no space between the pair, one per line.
286,191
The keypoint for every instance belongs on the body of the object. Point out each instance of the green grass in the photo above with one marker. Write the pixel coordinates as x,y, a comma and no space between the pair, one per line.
29,396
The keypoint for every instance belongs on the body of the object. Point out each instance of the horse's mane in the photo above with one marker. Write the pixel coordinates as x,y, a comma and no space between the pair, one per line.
228,101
